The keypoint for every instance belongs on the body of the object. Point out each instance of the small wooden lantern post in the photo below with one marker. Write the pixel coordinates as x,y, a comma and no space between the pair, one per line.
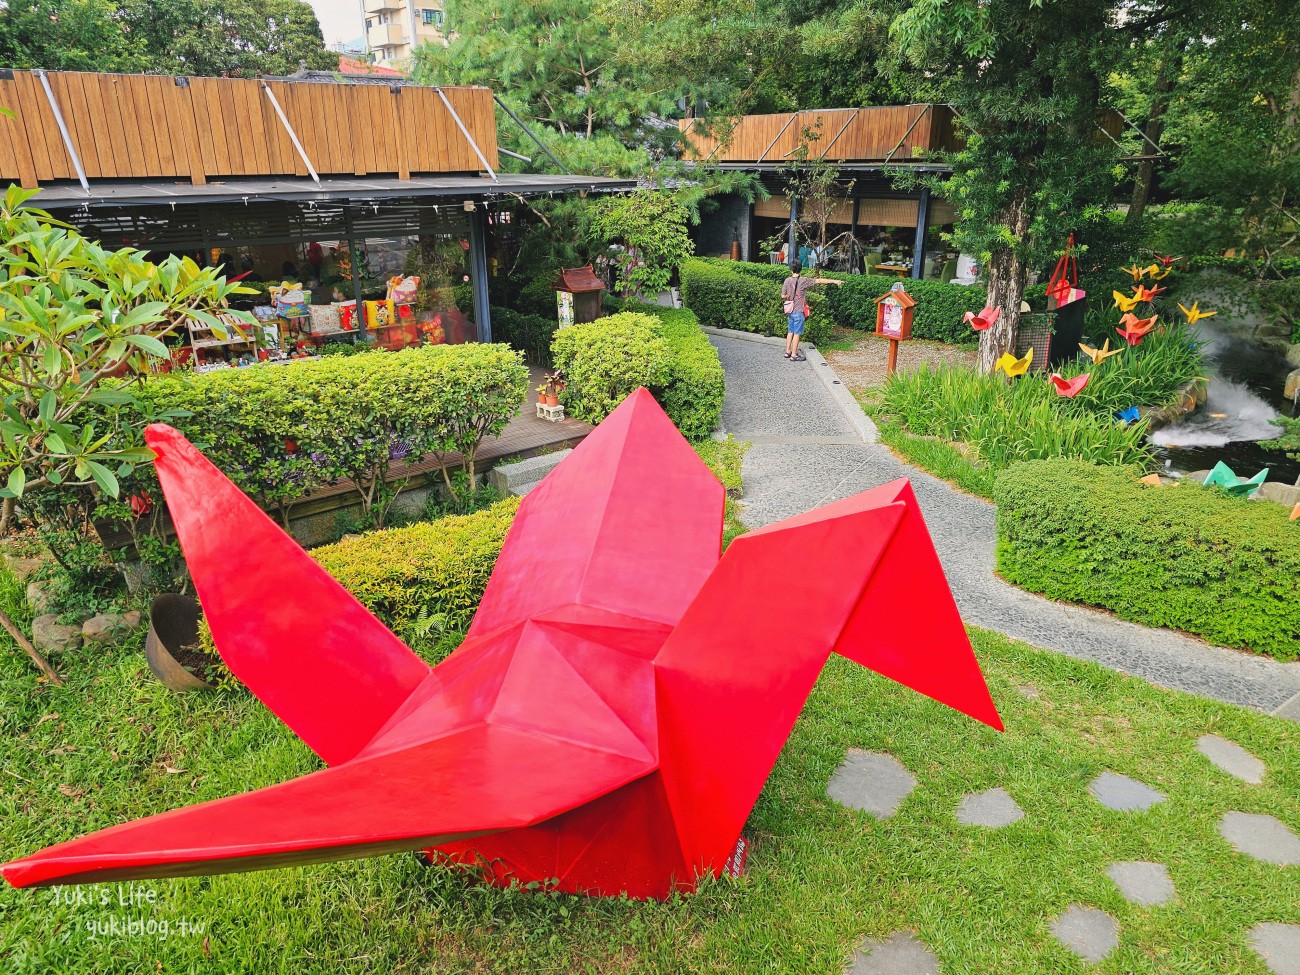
894,320
577,297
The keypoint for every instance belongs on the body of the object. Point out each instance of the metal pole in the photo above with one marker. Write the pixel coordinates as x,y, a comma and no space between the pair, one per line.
922,220
791,253
465,132
853,236
293,136
478,272
63,130
355,257
529,132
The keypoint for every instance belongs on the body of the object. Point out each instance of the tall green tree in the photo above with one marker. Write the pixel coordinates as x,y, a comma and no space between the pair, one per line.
553,60
1026,81
239,38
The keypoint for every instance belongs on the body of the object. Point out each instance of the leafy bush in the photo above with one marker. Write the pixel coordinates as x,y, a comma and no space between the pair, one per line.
1245,267
662,349
425,570
938,313
731,294
653,225
1187,557
529,334
280,433
692,394
1150,374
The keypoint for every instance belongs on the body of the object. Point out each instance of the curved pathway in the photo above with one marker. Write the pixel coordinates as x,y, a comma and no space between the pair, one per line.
812,444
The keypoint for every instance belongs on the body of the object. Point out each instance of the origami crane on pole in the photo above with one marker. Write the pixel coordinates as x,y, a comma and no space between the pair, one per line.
619,700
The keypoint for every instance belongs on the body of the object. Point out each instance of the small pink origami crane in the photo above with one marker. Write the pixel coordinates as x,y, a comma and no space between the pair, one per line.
984,320
614,711
1069,388
1135,329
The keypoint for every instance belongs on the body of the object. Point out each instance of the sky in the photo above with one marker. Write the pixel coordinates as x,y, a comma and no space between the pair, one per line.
340,20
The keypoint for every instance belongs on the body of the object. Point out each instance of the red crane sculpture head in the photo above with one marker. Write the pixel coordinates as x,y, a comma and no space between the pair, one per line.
614,710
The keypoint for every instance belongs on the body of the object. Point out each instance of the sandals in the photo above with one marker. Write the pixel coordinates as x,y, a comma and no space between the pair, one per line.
798,358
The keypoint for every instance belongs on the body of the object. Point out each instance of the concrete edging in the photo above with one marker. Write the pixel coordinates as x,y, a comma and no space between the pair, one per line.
823,370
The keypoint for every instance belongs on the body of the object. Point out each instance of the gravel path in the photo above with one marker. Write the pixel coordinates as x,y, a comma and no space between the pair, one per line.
812,445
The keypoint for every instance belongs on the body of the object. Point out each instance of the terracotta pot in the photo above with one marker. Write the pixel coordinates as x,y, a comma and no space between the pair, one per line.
173,623
541,397
553,399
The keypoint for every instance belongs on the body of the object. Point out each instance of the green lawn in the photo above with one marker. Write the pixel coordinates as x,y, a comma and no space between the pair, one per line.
113,744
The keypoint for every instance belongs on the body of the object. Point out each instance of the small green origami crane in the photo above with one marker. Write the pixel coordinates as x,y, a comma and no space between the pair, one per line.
1223,477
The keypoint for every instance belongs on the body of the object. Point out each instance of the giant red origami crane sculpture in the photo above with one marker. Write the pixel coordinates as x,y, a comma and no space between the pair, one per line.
617,704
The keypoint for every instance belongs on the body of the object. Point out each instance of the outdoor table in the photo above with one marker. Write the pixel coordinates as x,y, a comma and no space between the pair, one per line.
898,269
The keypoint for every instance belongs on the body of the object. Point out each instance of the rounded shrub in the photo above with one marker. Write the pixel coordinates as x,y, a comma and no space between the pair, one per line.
607,360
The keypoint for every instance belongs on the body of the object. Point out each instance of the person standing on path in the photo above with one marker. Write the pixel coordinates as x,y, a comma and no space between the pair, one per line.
794,294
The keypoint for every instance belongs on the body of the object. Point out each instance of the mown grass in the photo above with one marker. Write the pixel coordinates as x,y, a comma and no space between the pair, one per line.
113,744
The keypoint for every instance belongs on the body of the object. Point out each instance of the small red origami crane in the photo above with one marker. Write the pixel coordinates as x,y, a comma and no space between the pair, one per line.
984,320
1069,388
614,710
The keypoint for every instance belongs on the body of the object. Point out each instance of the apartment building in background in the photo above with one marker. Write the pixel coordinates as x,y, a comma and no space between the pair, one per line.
394,28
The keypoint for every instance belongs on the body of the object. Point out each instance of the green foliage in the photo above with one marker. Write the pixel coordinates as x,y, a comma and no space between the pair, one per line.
732,294
604,361
652,226
231,38
1150,374
281,433
938,312
1003,423
693,393
944,460
423,571
527,333
72,314
1188,557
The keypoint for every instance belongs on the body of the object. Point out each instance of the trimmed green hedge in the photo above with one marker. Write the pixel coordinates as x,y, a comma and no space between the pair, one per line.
1184,557
280,432
663,349
530,334
430,568
938,313
733,294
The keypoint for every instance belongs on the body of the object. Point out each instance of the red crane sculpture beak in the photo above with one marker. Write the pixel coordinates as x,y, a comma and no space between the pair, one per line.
614,710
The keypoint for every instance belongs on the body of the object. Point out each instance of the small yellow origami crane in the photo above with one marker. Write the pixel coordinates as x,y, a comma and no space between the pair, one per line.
1098,356
1124,302
1194,314
1136,271
1015,367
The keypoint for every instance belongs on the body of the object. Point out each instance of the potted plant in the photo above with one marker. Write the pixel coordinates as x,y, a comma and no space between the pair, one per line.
549,391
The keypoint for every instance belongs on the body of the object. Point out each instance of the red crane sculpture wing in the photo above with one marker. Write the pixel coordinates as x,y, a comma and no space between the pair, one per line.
614,710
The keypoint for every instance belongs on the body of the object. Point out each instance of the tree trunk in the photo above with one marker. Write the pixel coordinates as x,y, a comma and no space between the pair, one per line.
1006,278
1165,74
42,664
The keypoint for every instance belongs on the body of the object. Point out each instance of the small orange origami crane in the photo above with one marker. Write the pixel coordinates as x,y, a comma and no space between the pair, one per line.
1069,388
1015,367
1194,314
1098,356
1146,294
984,319
1135,329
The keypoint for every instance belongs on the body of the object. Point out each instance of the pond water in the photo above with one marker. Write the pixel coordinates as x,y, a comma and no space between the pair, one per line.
1246,382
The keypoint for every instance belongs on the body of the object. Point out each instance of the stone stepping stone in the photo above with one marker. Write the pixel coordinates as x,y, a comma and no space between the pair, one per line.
1088,932
871,781
899,954
1029,691
1279,946
1122,794
1231,758
1262,837
994,809
1142,883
